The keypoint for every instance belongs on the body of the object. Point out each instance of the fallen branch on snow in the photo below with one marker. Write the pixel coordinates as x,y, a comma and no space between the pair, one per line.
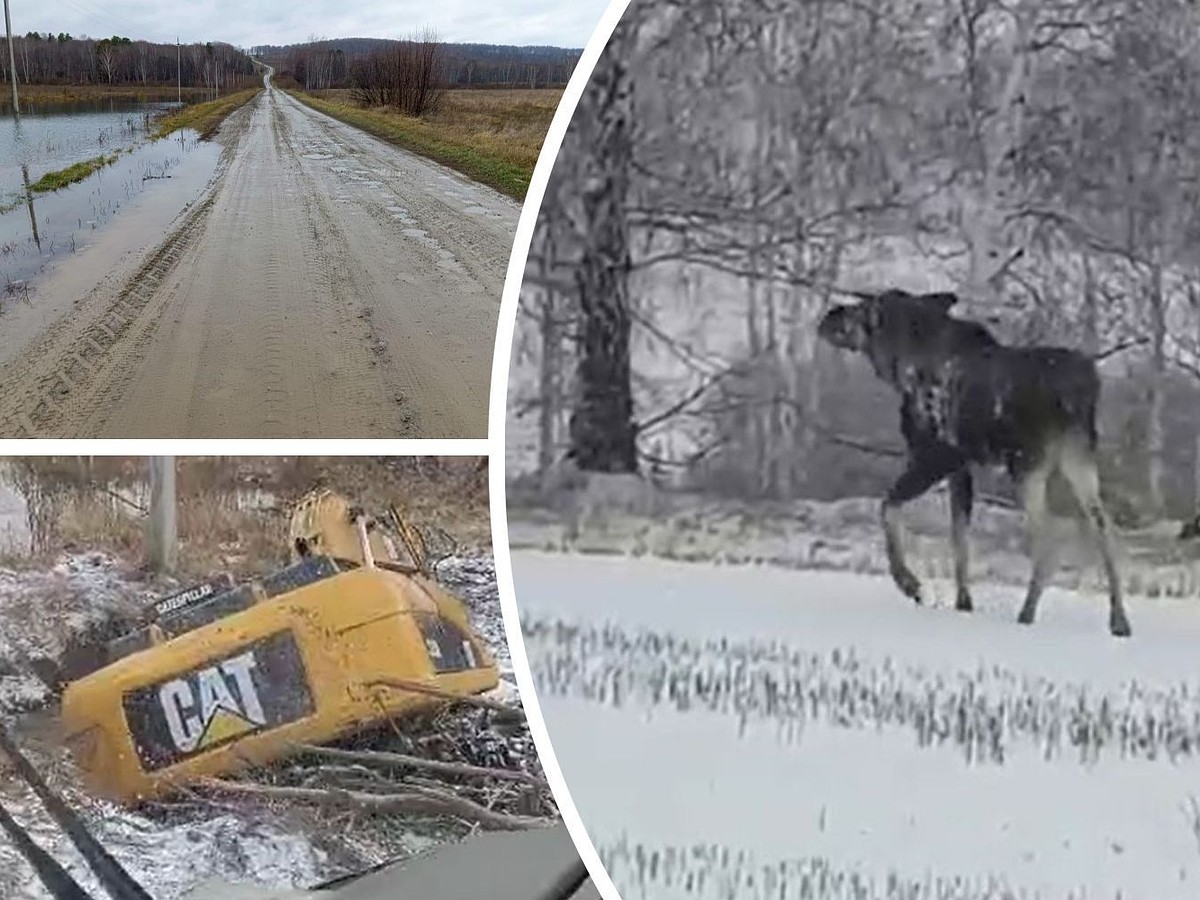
383,758
416,800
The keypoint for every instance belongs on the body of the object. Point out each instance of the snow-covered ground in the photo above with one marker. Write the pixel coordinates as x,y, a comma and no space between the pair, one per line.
732,731
172,848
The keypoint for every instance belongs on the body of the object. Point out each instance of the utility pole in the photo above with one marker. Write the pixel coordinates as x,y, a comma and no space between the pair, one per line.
12,62
178,67
160,530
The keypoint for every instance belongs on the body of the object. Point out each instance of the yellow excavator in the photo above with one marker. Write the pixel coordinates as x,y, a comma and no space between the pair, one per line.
353,632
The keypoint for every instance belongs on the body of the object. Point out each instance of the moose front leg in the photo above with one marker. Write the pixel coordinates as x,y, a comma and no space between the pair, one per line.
921,474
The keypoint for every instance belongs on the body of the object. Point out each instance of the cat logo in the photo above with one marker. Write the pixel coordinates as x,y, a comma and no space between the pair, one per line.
256,687
214,705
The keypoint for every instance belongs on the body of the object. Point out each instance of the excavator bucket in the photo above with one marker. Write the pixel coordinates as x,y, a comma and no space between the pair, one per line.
341,640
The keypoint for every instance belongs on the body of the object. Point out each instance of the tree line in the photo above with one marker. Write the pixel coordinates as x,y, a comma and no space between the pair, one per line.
321,64
733,166
63,59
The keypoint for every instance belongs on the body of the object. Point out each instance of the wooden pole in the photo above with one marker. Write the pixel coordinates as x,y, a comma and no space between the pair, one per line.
160,531
12,62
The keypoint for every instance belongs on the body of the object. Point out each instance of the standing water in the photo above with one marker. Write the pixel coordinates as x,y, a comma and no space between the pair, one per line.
37,228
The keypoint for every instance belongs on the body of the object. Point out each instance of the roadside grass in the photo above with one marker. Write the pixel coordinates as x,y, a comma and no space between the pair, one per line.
37,94
204,117
491,136
54,181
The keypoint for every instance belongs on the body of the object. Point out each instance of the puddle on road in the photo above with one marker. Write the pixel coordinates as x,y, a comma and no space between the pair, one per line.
420,235
446,260
40,229
400,214
317,155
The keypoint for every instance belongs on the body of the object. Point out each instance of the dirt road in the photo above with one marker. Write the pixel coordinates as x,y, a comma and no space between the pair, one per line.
326,284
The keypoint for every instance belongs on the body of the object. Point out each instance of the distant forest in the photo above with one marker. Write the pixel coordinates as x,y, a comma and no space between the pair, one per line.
63,59
322,64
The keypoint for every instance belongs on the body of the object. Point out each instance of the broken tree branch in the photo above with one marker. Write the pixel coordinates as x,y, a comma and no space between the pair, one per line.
1120,347
382,758
416,801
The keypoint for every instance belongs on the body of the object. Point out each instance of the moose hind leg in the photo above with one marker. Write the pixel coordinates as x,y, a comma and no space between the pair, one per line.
1079,469
961,499
918,477
1032,487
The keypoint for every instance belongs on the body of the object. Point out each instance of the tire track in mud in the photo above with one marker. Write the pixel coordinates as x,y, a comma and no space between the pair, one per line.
275,310
67,373
351,299
438,218
400,375
458,245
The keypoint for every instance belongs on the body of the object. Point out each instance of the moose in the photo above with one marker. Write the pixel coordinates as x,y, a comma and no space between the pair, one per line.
968,400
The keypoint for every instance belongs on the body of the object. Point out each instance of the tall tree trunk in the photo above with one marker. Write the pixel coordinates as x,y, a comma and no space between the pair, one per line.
1156,401
602,432
996,131
548,382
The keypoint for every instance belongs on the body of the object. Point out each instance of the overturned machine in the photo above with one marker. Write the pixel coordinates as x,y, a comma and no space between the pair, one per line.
222,676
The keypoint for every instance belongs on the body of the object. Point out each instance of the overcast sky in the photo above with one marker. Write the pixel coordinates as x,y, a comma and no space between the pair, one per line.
247,23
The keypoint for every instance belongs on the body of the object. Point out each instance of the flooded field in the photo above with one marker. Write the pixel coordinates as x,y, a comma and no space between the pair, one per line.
36,229
54,135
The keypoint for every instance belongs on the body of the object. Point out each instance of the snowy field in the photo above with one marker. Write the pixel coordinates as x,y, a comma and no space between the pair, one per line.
753,732
170,848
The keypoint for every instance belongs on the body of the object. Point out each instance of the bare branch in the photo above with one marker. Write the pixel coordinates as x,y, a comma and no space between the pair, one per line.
381,758
415,801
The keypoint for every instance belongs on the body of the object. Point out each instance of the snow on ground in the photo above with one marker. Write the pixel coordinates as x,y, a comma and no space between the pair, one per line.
845,535
752,732
172,849
42,611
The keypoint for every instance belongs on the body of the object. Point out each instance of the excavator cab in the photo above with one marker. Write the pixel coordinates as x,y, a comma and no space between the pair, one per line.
224,675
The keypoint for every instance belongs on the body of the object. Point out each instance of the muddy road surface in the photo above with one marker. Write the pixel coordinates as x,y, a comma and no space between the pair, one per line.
324,284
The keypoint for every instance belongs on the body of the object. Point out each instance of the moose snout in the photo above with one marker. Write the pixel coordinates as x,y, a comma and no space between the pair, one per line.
835,328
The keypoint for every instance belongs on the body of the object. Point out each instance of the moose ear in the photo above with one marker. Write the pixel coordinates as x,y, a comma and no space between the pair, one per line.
943,302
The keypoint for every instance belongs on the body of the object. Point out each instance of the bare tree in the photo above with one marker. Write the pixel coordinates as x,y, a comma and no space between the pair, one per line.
602,431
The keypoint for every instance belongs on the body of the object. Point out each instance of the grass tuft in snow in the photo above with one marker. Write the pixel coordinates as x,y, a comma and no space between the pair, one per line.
985,713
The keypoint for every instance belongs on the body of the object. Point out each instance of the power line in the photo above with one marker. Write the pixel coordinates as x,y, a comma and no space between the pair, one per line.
106,19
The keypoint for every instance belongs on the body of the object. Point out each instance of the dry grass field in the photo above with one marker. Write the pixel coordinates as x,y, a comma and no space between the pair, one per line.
493,136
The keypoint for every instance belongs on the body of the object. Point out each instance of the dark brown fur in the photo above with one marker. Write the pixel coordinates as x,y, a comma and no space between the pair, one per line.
966,399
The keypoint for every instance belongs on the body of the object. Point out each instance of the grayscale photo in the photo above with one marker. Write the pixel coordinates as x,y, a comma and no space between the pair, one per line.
852,450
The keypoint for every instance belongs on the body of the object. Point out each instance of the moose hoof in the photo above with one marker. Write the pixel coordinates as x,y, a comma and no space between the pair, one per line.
963,602
1119,626
1025,616
908,584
